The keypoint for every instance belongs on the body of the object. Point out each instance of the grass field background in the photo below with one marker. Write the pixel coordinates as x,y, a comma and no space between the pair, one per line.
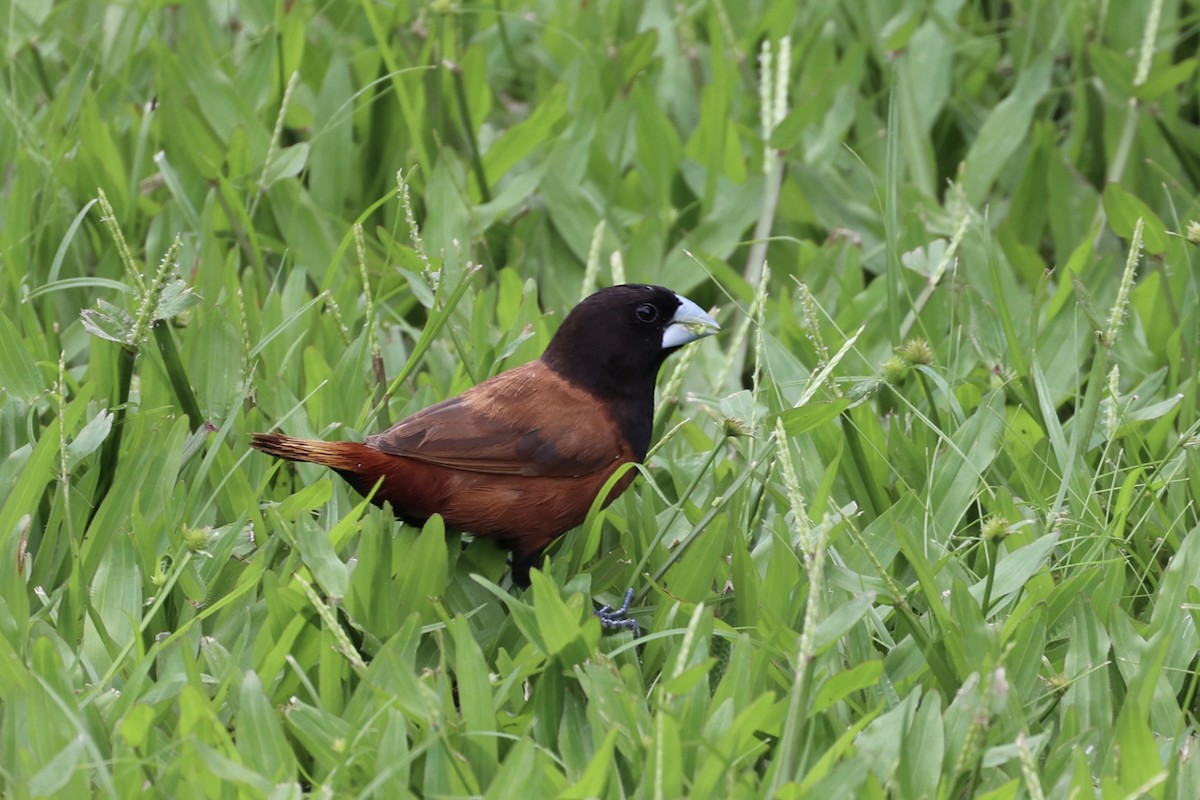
922,520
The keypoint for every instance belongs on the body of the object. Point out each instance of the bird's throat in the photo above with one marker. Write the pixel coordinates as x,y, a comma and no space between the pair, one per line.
635,417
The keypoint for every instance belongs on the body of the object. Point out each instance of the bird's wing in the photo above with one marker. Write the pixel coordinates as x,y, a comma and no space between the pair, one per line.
526,421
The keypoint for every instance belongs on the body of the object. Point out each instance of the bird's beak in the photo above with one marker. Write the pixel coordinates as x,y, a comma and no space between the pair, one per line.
689,324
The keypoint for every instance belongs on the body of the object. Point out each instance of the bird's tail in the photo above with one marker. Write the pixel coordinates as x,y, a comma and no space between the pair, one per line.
342,456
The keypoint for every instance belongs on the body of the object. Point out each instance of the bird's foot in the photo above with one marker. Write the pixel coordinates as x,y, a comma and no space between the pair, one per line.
615,619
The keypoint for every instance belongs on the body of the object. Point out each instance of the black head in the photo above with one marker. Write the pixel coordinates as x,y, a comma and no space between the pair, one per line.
615,340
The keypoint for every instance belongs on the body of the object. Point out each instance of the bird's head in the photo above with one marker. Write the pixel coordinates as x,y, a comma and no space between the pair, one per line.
615,340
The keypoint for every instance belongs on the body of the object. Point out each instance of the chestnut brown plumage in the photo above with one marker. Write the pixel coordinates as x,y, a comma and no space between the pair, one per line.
520,457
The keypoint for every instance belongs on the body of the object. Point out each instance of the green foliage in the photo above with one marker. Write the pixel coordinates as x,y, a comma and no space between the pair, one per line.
922,523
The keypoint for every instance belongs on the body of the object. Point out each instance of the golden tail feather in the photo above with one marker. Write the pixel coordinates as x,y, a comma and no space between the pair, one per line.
344,456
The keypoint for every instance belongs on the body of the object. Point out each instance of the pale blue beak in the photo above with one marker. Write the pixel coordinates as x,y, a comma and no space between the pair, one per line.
689,324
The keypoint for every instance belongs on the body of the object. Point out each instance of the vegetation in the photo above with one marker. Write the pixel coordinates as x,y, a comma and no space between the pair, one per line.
922,522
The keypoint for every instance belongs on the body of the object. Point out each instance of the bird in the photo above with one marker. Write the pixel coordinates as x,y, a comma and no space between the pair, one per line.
520,457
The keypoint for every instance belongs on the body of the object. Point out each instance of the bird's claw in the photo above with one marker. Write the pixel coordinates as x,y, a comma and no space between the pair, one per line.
615,619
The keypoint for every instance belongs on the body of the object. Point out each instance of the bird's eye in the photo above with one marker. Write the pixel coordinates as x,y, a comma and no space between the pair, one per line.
646,312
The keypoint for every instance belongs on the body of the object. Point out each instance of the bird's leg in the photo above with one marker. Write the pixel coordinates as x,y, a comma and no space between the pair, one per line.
615,619
522,563
611,619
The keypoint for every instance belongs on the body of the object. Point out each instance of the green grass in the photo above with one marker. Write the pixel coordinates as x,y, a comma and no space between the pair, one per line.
922,523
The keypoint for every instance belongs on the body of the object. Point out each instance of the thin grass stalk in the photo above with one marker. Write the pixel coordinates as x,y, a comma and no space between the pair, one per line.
616,267
969,764
810,323
821,376
1084,423
898,597
68,626
273,144
109,218
177,374
464,110
414,230
701,473
948,261
329,617
429,334
753,456
891,212
360,249
519,75
339,321
701,524
858,455
592,269
773,108
668,396
147,320
112,445
1029,769
179,562
790,762
408,106
1015,352
1120,160
991,545
927,387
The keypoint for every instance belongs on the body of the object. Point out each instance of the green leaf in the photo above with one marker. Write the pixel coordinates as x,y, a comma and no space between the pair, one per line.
176,298
842,684
595,777
847,614
522,614
260,738
524,138
663,776
715,143
636,54
812,415
1115,70
80,283
923,750
310,498
204,150
475,700
322,735
31,481
317,550
90,438
559,623
108,322
1164,80
687,680
1016,568
521,775
659,147
216,366
19,375
428,580
116,596
1138,763
58,771
136,725
1088,693
228,770
1005,129
287,163
1123,211
958,474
